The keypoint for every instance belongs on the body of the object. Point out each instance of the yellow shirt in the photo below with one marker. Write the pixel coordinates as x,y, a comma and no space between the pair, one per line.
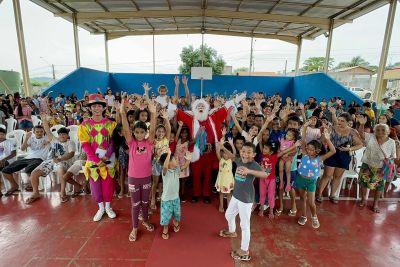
370,113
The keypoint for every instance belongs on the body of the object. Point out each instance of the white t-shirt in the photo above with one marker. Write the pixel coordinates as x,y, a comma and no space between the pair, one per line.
6,148
58,149
163,100
373,155
110,100
38,148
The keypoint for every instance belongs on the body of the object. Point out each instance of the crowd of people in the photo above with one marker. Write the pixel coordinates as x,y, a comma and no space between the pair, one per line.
251,150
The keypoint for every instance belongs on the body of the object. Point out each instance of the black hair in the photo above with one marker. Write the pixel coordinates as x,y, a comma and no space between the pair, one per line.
316,144
240,137
313,105
295,118
273,146
367,105
118,140
251,145
346,116
228,147
139,111
19,108
130,112
162,158
316,112
63,130
260,116
38,127
2,130
140,125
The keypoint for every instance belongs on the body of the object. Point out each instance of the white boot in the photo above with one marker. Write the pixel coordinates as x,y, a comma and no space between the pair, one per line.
111,213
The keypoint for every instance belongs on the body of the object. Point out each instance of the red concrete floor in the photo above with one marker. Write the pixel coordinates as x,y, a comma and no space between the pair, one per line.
48,233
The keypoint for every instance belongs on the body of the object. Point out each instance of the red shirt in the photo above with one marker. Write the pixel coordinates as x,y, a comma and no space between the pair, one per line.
268,163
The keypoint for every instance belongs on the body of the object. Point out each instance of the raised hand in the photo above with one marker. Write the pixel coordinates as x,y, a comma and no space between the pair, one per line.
223,132
332,110
230,140
180,124
301,106
164,114
146,87
152,106
176,80
184,80
361,119
188,155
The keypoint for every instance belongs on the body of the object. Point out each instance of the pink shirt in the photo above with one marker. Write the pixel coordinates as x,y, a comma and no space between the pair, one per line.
140,154
25,110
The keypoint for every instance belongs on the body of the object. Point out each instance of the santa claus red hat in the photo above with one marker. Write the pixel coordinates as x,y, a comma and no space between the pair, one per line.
200,101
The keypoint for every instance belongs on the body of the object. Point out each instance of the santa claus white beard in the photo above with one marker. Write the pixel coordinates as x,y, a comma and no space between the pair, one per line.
200,116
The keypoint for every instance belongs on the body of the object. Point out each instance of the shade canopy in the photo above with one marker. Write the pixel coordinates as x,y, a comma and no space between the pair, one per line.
286,20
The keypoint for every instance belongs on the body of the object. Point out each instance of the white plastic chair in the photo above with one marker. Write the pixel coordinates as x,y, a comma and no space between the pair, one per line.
18,136
11,124
55,128
36,121
3,126
353,175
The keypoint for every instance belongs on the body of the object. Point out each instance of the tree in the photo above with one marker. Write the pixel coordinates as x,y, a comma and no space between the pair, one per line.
316,63
241,69
355,61
191,57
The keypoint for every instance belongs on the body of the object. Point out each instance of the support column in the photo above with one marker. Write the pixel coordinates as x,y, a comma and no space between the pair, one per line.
251,56
154,56
21,47
299,44
328,46
202,63
76,40
106,52
379,89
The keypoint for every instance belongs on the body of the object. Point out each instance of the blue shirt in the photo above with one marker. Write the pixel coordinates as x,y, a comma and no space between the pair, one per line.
310,168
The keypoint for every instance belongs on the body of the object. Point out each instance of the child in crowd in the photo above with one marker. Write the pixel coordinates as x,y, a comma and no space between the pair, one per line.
224,183
170,203
182,146
242,199
308,172
161,144
268,163
162,98
287,149
139,168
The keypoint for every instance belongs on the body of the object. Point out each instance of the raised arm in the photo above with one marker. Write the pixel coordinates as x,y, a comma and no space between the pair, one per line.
240,129
188,158
178,132
332,149
187,92
176,80
332,110
167,124
46,127
153,120
362,121
126,131
304,135
264,127
146,88
166,162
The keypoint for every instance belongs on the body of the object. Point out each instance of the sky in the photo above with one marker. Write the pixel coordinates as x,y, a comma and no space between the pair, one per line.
49,40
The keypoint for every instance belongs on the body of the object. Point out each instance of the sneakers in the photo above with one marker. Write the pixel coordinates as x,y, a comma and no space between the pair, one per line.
315,223
111,214
99,215
302,220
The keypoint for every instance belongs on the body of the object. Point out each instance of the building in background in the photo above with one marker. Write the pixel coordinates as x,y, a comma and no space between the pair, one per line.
357,76
392,80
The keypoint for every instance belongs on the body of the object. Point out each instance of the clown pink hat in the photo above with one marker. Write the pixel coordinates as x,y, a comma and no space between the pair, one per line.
97,99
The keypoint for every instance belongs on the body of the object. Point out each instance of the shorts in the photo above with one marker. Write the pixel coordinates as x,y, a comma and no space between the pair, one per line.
25,124
156,168
339,160
28,164
169,209
293,175
310,185
77,167
48,166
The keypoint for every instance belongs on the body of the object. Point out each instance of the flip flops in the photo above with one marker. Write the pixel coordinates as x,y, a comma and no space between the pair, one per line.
236,256
226,233
11,192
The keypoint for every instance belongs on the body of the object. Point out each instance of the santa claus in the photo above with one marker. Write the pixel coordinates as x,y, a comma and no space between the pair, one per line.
206,130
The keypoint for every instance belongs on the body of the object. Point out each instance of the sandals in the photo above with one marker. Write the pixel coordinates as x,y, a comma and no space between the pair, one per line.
31,199
64,199
318,199
133,235
278,212
226,233
177,227
376,210
302,220
333,200
236,256
292,213
165,236
77,193
11,192
149,226
314,222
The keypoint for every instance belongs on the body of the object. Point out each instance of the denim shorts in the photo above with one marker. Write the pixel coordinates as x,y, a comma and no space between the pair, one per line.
340,159
156,168
25,124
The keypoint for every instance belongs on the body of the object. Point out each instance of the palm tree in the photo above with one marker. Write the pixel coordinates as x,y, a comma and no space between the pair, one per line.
355,61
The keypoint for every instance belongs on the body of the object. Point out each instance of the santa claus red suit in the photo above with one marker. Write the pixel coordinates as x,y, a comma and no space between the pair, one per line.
206,131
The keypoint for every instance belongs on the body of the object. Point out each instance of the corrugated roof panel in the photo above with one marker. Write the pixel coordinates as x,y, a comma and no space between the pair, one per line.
152,4
223,4
118,5
85,6
256,6
185,4
283,9
319,12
